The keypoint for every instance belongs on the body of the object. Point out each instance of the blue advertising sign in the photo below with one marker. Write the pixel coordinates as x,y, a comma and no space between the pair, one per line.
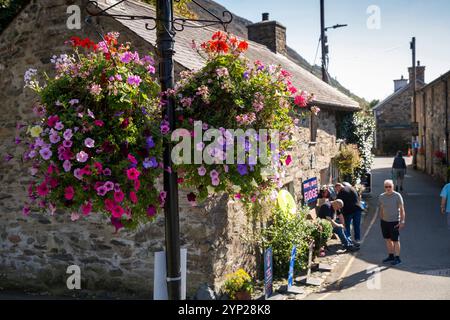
291,267
268,273
310,190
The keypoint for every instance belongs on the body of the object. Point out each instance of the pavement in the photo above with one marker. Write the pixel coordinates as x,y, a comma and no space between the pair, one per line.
425,271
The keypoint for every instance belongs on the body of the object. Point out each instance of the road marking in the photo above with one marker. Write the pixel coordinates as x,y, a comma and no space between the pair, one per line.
352,259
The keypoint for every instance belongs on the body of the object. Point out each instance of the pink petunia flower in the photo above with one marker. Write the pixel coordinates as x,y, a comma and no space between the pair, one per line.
69,193
133,174
119,196
117,211
133,197
86,208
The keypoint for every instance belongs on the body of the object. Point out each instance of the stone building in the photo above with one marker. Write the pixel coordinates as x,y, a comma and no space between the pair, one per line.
35,251
433,116
393,115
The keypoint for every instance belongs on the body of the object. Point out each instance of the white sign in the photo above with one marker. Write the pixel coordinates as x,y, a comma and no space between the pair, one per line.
160,277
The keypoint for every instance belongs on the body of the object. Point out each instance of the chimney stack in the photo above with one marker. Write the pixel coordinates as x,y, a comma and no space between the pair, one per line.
399,84
272,34
420,73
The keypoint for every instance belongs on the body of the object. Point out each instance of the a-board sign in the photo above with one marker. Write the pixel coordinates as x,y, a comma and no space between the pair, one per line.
310,191
291,267
268,272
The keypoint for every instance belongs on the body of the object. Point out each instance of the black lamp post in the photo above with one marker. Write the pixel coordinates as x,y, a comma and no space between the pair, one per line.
165,48
166,26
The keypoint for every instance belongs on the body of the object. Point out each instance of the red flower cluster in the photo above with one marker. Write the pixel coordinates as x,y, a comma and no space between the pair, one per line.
84,43
222,43
439,154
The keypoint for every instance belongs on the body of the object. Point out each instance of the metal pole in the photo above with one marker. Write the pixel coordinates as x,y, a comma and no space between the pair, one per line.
165,47
414,88
323,41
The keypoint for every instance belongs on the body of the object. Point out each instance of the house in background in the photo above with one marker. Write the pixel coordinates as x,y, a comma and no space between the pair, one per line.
393,115
35,251
433,101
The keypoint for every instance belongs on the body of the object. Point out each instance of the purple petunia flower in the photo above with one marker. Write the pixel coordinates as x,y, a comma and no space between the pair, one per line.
67,143
78,174
45,153
150,163
109,185
59,126
89,143
202,171
107,172
68,134
55,138
102,191
67,166
150,143
165,128
134,80
215,182
246,75
82,156
214,174
74,101
242,169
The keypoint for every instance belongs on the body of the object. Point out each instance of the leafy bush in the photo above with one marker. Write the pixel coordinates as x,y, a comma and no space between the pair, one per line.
348,161
287,230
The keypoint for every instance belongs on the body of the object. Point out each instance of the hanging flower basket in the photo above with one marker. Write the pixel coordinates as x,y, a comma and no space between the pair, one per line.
227,95
96,145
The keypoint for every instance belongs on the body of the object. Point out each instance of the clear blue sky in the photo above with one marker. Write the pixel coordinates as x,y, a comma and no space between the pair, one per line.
364,60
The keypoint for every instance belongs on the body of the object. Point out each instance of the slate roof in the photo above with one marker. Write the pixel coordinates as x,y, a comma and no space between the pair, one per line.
325,95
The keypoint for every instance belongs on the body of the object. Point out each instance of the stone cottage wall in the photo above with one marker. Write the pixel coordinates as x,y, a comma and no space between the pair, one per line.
394,125
35,251
432,125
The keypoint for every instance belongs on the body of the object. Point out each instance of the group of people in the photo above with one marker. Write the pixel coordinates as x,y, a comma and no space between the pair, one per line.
343,208
346,211
342,212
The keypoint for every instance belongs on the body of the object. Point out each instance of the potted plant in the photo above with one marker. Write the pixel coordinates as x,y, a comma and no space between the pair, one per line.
238,285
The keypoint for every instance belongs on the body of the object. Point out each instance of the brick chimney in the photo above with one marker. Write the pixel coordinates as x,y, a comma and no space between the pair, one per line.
420,73
272,34
400,83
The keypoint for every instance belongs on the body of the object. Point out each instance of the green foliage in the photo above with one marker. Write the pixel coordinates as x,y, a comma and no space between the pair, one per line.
359,129
287,230
348,161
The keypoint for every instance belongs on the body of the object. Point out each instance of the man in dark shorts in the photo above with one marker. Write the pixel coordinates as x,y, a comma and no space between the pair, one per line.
328,211
392,214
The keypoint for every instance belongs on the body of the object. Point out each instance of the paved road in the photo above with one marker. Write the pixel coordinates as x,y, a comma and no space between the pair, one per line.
425,272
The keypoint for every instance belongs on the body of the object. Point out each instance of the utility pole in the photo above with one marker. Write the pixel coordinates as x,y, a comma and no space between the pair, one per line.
414,106
165,48
323,40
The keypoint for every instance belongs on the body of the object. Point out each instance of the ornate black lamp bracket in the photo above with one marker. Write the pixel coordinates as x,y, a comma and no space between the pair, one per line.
178,24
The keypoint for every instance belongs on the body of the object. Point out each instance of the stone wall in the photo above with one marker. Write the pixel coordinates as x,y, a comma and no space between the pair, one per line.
433,119
394,125
35,251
